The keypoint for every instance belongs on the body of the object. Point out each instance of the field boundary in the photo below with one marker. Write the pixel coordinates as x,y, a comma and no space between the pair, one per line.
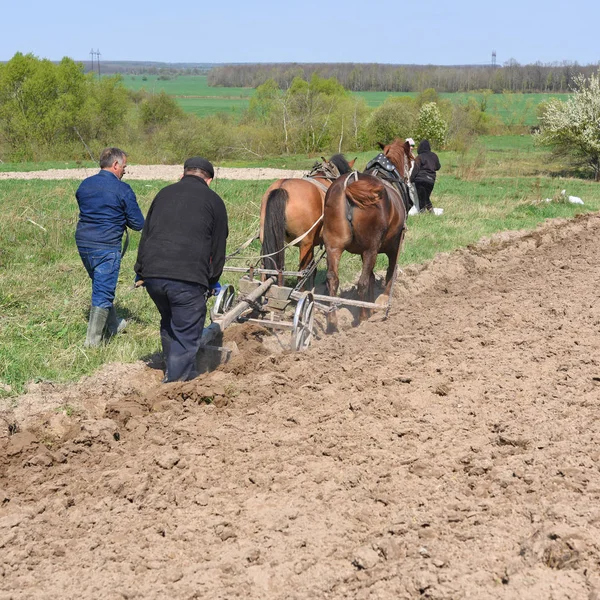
158,172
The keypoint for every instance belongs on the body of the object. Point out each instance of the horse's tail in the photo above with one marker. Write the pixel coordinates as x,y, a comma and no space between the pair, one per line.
365,192
274,229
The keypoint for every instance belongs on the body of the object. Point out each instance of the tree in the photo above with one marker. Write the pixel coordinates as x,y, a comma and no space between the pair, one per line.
574,126
426,96
49,107
159,109
395,118
431,125
311,107
264,101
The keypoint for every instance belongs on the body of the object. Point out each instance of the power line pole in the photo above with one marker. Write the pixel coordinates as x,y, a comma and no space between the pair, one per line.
92,55
98,60
493,59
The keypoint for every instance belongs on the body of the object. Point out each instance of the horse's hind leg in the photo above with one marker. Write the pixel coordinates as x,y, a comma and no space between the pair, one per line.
392,263
366,281
333,282
306,256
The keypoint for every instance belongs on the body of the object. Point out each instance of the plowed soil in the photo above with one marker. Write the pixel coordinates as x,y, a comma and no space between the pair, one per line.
451,451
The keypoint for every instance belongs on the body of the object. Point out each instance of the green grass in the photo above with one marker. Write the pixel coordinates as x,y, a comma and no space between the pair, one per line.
45,292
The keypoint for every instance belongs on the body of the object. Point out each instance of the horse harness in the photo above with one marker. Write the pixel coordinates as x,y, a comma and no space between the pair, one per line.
382,164
349,205
382,167
325,170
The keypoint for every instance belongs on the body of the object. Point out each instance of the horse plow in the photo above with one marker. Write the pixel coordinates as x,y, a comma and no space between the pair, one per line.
263,299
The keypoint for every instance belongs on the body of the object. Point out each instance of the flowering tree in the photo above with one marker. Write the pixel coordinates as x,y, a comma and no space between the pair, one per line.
574,126
431,125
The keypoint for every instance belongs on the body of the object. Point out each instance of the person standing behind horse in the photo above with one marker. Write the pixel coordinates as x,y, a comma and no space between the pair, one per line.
107,206
412,190
180,258
424,173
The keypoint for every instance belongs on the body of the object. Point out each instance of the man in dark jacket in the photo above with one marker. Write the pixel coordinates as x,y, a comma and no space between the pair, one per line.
423,174
180,258
107,206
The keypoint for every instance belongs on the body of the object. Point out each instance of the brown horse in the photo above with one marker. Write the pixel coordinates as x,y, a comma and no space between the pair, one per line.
365,213
290,207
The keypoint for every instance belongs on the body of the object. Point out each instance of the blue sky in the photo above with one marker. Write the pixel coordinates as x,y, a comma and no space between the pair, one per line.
425,32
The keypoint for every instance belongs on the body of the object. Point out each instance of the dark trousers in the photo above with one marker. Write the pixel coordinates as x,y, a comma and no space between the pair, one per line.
182,308
424,190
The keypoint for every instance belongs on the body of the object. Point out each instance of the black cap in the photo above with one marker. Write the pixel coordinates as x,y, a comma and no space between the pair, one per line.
197,162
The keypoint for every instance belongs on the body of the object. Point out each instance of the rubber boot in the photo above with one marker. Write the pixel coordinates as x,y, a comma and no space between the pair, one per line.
114,324
166,340
96,324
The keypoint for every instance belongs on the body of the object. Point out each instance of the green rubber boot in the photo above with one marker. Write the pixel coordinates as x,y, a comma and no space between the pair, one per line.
96,324
114,324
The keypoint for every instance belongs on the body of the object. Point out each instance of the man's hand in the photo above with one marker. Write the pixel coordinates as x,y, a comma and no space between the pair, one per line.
138,281
215,289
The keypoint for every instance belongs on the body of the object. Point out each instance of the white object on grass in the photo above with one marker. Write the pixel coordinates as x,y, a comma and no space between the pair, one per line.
438,211
571,199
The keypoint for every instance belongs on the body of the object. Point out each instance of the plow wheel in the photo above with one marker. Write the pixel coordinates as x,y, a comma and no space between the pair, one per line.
224,301
302,332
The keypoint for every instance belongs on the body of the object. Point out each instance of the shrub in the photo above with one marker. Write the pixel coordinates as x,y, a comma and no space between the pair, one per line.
572,127
159,109
431,125
395,118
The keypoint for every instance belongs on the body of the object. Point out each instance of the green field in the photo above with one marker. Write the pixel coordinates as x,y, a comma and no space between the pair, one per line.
184,85
512,109
195,96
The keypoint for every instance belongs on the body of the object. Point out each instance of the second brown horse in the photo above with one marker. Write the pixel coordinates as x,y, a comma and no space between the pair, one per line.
366,215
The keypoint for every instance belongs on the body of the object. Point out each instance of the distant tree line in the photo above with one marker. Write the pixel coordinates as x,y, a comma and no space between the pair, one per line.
512,77
124,68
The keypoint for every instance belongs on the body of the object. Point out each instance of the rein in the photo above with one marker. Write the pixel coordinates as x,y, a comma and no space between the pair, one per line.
288,245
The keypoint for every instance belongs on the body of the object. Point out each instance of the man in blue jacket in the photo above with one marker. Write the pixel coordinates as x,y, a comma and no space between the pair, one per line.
107,206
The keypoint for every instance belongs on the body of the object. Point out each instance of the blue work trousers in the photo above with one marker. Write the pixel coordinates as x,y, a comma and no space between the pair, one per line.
182,308
103,267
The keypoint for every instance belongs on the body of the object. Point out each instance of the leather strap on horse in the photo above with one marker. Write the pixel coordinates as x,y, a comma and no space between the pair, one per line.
397,191
349,205
319,184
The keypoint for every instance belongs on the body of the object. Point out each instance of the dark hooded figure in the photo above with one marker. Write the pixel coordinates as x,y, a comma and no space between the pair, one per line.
423,174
